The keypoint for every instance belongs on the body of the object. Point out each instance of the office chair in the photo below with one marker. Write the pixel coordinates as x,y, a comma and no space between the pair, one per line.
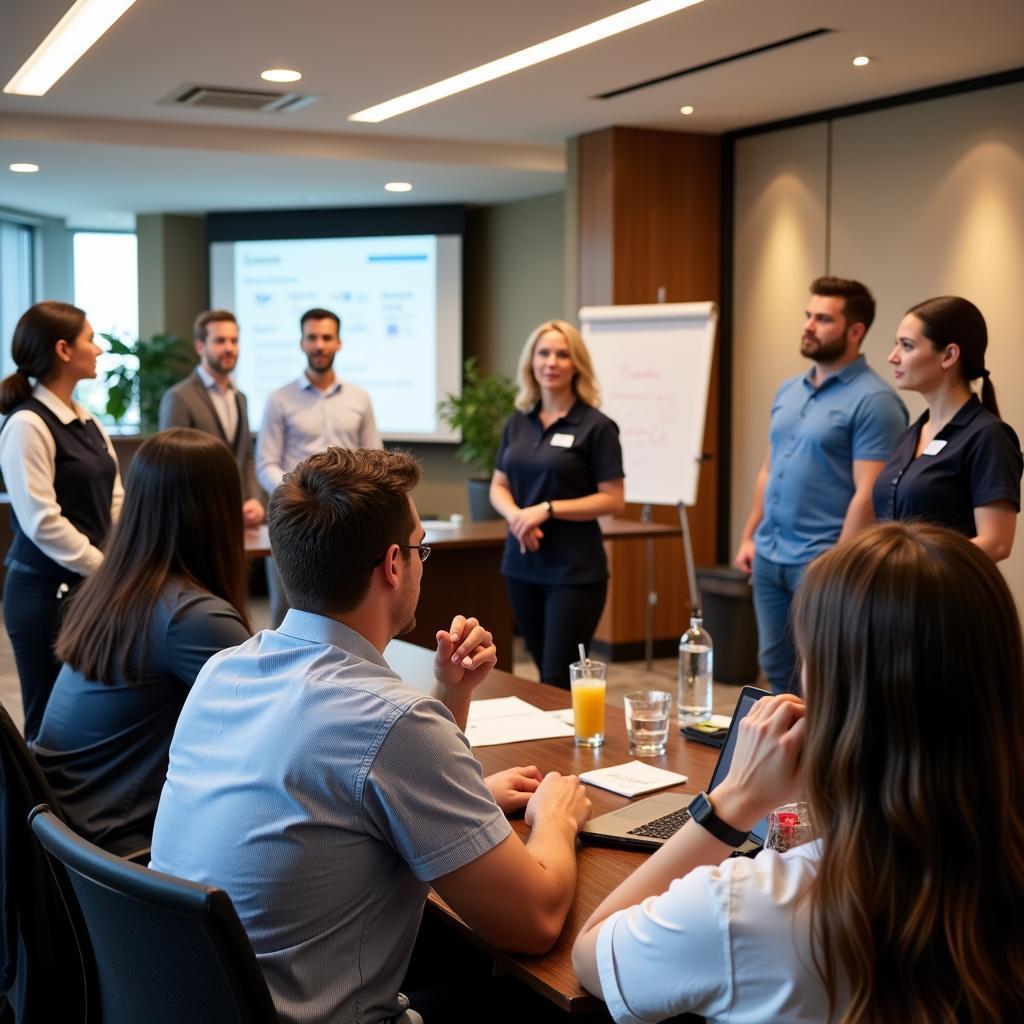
42,976
162,949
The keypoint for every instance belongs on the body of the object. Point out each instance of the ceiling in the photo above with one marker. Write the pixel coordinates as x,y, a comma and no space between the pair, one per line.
110,146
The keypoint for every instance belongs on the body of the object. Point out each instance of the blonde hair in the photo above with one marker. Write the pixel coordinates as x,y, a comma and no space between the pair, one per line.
584,384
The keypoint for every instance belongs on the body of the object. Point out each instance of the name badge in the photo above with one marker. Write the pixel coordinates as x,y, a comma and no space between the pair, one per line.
934,448
562,440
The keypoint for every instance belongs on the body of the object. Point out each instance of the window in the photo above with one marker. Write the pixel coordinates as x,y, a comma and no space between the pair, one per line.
107,288
17,282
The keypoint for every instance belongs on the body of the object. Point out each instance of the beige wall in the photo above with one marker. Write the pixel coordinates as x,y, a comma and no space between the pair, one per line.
926,199
514,278
173,276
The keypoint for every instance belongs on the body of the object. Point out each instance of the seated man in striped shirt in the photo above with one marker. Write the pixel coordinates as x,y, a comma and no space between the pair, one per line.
325,795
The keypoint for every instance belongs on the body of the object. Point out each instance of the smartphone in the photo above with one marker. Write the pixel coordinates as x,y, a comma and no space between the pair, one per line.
706,732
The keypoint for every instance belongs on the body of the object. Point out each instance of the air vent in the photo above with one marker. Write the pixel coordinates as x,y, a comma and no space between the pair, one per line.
259,100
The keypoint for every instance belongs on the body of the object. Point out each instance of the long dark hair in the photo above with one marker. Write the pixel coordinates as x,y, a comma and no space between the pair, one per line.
914,770
39,329
950,320
182,516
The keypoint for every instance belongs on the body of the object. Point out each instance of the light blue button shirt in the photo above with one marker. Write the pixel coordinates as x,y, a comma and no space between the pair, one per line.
323,794
300,420
816,434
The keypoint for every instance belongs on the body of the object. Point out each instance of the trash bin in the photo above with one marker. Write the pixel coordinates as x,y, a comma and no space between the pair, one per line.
728,605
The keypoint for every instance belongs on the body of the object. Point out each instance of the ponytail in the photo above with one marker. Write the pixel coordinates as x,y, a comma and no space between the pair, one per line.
14,390
32,347
988,394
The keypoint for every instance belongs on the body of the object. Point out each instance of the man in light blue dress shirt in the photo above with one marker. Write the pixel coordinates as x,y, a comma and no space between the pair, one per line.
325,795
832,430
308,415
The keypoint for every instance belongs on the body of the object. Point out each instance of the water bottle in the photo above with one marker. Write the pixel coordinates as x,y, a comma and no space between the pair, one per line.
696,660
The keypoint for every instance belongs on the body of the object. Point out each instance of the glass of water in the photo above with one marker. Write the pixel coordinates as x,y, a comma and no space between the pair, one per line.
647,715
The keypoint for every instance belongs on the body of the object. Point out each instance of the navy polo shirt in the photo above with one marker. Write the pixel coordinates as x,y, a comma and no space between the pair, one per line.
817,433
975,459
568,460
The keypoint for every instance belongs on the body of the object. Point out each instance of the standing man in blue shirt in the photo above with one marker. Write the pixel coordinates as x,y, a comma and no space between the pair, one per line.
308,415
832,430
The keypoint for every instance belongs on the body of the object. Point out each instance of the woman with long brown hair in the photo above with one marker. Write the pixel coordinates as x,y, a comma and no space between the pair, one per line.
910,751
959,465
60,471
169,595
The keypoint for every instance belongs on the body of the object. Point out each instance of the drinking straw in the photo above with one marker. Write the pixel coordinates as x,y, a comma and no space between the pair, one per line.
584,660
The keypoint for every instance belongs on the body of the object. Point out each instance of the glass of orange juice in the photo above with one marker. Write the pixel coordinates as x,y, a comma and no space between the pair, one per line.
588,680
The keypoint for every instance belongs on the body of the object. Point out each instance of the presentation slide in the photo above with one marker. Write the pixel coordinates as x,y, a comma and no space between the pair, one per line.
399,299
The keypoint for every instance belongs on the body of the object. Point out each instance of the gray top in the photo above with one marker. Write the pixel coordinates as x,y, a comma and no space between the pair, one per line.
323,794
104,746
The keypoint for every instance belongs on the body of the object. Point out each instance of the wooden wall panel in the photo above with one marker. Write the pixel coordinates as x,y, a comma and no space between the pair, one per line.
649,218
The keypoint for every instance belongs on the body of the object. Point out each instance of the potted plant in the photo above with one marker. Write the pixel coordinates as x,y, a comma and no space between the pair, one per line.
480,412
158,363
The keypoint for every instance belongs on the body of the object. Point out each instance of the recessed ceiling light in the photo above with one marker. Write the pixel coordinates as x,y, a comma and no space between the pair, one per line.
280,75
398,186
859,62
687,110
24,168
84,23
631,17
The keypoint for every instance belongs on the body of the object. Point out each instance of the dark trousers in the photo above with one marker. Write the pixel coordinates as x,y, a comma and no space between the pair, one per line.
554,620
32,612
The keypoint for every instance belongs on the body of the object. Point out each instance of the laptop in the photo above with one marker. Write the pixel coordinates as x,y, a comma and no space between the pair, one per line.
649,823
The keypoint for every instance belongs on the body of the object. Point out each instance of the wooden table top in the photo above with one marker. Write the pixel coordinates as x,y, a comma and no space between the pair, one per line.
601,869
490,533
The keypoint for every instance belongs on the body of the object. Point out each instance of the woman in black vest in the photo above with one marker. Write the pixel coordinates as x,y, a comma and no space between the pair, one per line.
60,471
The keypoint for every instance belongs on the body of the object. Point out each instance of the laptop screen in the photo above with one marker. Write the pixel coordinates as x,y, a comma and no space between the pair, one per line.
747,700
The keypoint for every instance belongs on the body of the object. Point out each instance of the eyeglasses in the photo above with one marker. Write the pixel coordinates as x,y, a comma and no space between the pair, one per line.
423,549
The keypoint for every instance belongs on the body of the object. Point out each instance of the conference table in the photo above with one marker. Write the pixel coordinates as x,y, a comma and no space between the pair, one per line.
463,574
601,869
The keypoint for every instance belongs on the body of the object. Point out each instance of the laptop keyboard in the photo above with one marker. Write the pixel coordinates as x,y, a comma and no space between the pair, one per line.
663,828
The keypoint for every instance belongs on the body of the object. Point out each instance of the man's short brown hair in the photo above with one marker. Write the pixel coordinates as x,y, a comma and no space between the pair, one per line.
333,518
211,316
858,304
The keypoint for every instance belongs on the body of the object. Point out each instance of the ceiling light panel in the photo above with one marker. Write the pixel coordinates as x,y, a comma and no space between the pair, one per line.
72,36
631,17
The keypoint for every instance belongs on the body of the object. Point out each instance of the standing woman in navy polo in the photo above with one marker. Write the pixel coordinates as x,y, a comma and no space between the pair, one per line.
60,471
559,468
959,465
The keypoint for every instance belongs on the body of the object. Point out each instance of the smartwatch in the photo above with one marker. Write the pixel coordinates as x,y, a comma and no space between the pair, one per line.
704,814
547,507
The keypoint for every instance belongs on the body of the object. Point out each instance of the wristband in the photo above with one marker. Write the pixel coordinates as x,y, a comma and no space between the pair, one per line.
547,508
704,814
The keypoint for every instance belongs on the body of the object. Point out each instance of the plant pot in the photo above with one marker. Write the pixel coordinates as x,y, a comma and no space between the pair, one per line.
480,507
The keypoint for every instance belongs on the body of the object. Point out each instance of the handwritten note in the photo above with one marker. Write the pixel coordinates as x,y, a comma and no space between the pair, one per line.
632,779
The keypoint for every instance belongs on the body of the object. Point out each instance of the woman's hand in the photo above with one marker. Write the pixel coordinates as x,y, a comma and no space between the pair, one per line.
524,525
766,764
513,787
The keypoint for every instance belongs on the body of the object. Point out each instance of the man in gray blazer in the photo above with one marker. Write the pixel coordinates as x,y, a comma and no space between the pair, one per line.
208,400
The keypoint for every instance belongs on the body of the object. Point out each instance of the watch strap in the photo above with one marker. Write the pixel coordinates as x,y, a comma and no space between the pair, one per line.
704,814
549,509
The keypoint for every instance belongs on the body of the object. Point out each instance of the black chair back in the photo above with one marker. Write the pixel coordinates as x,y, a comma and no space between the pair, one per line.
163,949
42,974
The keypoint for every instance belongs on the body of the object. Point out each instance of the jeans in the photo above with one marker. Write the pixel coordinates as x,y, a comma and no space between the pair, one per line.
774,588
554,620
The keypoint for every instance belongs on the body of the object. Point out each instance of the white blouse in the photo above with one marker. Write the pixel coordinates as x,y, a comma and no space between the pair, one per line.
729,942
28,459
